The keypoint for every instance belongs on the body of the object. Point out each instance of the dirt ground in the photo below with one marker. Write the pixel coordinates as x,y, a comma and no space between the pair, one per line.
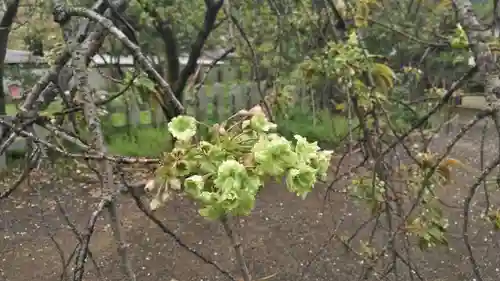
285,236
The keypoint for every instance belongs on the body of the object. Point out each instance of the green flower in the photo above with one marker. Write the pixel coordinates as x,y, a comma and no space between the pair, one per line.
259,123
236,189
305,150
230,168
212,212
206,197
459,39
353,39
301,180
182,127
309,154
322,162
194,184
229,179
274,155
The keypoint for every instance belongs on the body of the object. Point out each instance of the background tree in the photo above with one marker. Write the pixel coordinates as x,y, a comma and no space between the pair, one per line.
9,10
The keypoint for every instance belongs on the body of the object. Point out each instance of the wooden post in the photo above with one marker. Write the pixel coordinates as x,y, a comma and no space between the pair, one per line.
134,116
216,102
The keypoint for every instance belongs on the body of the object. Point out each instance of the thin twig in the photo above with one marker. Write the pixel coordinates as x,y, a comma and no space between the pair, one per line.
87,234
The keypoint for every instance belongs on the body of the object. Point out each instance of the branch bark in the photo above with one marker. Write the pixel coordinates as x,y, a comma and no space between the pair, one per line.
212,9
164,28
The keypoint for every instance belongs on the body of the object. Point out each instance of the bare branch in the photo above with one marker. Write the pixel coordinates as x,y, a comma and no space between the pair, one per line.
84,245
30,165
98,156
133,190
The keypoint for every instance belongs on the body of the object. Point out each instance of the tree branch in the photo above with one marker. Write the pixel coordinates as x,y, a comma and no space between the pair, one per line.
164,28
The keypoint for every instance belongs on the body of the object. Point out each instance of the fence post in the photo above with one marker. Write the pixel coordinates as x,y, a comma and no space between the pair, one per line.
134,116
201,104
157,115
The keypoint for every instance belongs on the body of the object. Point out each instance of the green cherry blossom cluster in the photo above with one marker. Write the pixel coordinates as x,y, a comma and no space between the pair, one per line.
225,170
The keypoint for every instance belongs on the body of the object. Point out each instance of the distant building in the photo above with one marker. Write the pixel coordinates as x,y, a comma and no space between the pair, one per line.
22,67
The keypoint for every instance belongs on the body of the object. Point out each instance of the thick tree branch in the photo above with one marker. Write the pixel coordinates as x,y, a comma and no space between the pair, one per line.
164,28
213,7
176,77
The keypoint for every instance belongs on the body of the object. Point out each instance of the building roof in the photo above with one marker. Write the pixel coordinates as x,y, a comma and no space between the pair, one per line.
101,60
26,57
207,58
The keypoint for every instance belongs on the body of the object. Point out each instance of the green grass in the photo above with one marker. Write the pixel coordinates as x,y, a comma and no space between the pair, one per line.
323,127
11,109
120,119
148,142
328,130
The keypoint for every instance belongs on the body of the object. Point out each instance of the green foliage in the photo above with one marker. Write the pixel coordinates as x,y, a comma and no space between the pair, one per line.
402,114
430,228
353,68
369,191
184,17
494,218
427,223
225,170
459,39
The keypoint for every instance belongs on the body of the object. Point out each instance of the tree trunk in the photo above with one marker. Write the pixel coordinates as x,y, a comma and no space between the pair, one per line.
5,25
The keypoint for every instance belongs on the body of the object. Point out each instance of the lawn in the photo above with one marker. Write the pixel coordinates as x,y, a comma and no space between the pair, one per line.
11,109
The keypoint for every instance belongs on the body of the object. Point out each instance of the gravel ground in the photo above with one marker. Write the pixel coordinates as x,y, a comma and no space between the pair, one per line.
285,236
